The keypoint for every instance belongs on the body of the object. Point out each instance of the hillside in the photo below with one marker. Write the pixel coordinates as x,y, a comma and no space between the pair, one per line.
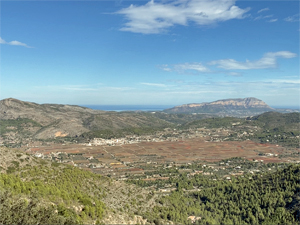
227,107
45,120
35,191
271,120
265,198
269,127
22,120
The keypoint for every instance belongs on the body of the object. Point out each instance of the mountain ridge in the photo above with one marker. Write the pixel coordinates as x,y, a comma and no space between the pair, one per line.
21,120
44,121
227,107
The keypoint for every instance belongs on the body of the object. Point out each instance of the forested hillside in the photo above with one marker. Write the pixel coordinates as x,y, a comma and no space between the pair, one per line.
35,191
270,198
48,193
269,127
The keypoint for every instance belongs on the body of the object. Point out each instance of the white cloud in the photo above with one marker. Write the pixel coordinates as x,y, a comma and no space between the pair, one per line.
69,87
2,41
235,74
191,66
285,81
294,18
258,18
262,17
262,10
84,88
268,16
154,84
276,91
116,88
79,89
17,43
181,68
269,60
154,17
272,21
165,67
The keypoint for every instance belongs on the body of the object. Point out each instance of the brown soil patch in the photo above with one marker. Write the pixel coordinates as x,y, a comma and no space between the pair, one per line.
189,150
60,134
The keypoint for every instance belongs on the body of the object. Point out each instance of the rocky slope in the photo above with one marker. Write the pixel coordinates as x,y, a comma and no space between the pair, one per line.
226,107
55,120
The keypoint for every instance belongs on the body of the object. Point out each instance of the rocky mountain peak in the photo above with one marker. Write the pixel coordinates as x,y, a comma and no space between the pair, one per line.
243,102
226,107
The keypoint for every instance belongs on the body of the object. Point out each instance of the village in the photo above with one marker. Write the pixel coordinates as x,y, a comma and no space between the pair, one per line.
216,135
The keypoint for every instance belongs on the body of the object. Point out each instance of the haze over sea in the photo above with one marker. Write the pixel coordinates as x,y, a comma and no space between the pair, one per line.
120,108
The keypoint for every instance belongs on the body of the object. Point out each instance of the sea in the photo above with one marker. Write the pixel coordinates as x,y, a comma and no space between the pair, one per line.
152,108
287,107
120,108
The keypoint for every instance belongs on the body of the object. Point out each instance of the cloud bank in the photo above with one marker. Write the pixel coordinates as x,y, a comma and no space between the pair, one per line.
153,17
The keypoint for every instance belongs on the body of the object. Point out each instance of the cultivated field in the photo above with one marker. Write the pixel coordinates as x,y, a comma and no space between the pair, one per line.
134,158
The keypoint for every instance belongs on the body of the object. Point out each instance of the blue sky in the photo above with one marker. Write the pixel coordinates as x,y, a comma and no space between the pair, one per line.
150,52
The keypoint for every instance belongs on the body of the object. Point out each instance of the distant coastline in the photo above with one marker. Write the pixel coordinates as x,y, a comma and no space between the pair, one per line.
120,108
146,108
286,107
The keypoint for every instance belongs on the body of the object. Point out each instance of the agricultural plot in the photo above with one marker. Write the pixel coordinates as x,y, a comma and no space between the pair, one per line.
131,158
